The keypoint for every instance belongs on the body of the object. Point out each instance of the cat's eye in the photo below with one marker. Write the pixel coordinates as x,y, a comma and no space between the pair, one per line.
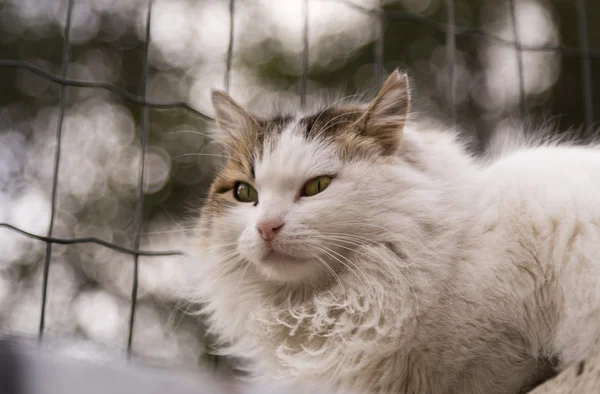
244,192
316,185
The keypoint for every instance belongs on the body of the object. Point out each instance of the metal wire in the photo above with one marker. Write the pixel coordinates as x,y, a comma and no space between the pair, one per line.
61,117
230,46
379,43
405,16
140,203
586,65
305,60
519,55
100,85
450,29
590,53
451,56
90,240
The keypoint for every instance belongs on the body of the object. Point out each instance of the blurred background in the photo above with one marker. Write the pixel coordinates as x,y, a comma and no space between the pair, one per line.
89,285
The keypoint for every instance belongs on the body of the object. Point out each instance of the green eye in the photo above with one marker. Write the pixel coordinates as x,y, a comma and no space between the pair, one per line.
316,185
244,192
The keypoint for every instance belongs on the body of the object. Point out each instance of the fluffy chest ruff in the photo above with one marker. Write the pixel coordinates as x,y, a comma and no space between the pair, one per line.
370,332
355,333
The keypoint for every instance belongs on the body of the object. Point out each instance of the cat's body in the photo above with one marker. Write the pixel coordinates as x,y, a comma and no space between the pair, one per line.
452,275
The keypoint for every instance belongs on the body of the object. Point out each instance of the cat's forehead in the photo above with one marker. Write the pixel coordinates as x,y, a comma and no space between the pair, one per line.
305,140
300,145
330,125
293,156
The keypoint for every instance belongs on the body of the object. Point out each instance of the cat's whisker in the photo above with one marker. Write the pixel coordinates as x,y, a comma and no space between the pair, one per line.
364,240
242,277
380,259
331,270
359,240
199,250
233,266
178,314
379,297
183,230
348,239
324,127
218,246
336,102
171,217
188,306
364,279
231,254
333,104
395,267
368,225
328,125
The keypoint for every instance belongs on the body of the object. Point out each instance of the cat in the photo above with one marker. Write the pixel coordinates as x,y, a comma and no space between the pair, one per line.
353,247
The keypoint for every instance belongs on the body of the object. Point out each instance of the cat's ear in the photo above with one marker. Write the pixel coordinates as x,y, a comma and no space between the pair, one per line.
232,120
385,117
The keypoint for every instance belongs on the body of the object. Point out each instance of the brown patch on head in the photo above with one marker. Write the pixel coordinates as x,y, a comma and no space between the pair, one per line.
365,132
340,126
243,137
242,152
372,132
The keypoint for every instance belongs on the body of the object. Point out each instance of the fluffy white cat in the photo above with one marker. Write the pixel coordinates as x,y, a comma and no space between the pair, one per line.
352,247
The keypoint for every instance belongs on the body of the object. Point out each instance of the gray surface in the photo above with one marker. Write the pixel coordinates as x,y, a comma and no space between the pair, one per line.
46,371
70,368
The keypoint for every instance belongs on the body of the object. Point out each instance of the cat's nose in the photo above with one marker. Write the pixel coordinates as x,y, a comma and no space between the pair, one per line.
268,229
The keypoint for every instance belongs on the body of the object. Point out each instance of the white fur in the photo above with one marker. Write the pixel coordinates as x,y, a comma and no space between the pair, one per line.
452,275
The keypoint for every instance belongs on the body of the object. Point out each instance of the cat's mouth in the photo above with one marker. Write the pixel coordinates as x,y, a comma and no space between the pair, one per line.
274,257
287,268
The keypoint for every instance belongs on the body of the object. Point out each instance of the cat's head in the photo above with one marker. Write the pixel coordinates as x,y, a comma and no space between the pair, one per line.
299,193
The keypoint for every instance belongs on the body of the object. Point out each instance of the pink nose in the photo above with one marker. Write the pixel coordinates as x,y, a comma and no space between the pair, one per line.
268,229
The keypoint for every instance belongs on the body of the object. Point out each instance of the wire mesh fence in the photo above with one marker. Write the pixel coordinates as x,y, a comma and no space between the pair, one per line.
380,16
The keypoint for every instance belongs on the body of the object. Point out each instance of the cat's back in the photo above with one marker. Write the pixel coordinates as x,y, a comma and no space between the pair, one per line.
543,204
555,178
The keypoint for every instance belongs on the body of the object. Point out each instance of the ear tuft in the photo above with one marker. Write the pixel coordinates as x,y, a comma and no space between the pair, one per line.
232,119
385,117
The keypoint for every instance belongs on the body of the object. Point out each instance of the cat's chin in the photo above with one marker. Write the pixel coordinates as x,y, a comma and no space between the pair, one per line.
284,268
274,257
